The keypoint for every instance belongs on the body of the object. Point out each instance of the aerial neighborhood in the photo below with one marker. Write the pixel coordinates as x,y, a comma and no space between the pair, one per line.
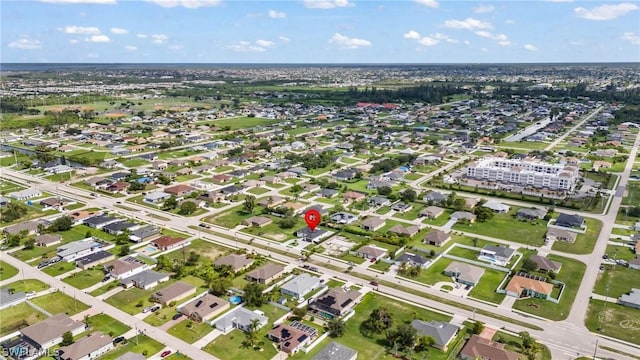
496,216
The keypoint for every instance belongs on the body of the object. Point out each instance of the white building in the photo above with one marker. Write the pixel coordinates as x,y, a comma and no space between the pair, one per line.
524,173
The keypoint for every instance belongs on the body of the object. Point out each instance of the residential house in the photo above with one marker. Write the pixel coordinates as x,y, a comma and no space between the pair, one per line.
204,308
412,260
144,233
545,264
499,255
119,227
31,227
431,212
48,332
343,218
237,262
94,259
530,214
401,207
434,197
402,230
174,293
335,303
378,201
156,197
240,318
570,220
89,347
257,221
100,221
464,273
632,299
336,351
124,267
441,332
328,193
270,179
48,239
520,286
372,223
556,234
169,242
179,190
371,252
77,249
306,234
481,348
437,238
8,297
292,337
145,280
271,201
265,274
351,196
463,215
300,285
345,175
496,206
25,194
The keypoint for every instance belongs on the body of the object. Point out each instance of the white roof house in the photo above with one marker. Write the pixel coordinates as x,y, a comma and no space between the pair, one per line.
300,285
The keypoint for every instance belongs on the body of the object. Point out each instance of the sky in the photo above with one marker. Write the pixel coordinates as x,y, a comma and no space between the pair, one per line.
318,31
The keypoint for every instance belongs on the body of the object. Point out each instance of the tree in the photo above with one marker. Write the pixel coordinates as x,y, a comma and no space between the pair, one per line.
163,263
477,328
170,204
249,204
378,321
296,190
124,251
409,195
30,243
63,223
529,265
300,312
136,186
193,258
220,286
164,179
122,238
384,190
14,239
13,211
67,338
404,336
287,222
253,295
251,335
425,341
187,208
336,327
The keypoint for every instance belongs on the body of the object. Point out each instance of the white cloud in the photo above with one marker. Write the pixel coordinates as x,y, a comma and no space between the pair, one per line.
176,47
98,39
632,38
577,43
277,14
326,4
26,44
467,42
444,37
190,4
483,9
73,41
429,3
428,41
245,46
412,35
80,1
605,12
159,38
85,30
265,43
510,21
142,36
484,34
530,47
93,55
468,24
131,48
502,39
560,1
284,39
119,31
345,42
484,50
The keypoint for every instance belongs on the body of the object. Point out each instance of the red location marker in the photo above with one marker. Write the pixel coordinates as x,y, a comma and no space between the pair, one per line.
312,217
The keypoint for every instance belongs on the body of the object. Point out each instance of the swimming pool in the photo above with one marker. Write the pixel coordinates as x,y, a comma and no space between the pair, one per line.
235,300
150,249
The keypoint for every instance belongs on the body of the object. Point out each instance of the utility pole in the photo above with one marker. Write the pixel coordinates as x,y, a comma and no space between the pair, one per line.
596,350
136,325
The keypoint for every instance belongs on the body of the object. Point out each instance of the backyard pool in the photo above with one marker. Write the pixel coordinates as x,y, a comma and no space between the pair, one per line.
235,300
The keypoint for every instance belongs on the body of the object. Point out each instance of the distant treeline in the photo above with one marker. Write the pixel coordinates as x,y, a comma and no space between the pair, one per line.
433,94
627,114
628,96
16,105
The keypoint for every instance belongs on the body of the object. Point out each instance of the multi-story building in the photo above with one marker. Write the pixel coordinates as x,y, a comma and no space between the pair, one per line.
525,173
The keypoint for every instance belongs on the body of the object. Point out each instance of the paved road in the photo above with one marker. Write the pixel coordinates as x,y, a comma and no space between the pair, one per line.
559,139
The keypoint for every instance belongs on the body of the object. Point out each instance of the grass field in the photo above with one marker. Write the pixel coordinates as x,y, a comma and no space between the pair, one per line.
85,278
619,279
59,268
17,317
27,285
108,325
486,288
7,271
504,226
613,320
190,331
242,122
433,273
140,344
58,302
584,243
571,274
514,343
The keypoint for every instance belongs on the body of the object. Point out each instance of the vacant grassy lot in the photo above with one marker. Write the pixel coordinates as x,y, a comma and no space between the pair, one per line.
58,302
7,271
17,317
242,122
145,346
134,300
505,226
233,217
619,279
514,343
617,321
190,331
571,274
27,285
433,273
584,243
486,288
59,268
84,279
108,325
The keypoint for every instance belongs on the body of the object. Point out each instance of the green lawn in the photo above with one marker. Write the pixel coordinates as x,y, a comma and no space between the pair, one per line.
632,196
108,325
85,278
27,285
103,289
584,243
233,217
58,302
433,273
411,214
619,279
486,288
514,343
145,346
190,331
505,226
17,317
571,274
134,300
59,268
615,321
258,191
134,162
7,271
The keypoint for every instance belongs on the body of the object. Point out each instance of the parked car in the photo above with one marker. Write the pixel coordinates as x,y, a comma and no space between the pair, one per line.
605,256
176,316
118,340
165,353
374,283
155,308
106,278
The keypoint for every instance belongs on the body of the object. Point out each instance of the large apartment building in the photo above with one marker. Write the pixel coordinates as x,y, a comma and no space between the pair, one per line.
525,173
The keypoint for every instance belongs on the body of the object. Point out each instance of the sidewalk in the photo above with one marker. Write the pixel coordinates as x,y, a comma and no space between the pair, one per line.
207,339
